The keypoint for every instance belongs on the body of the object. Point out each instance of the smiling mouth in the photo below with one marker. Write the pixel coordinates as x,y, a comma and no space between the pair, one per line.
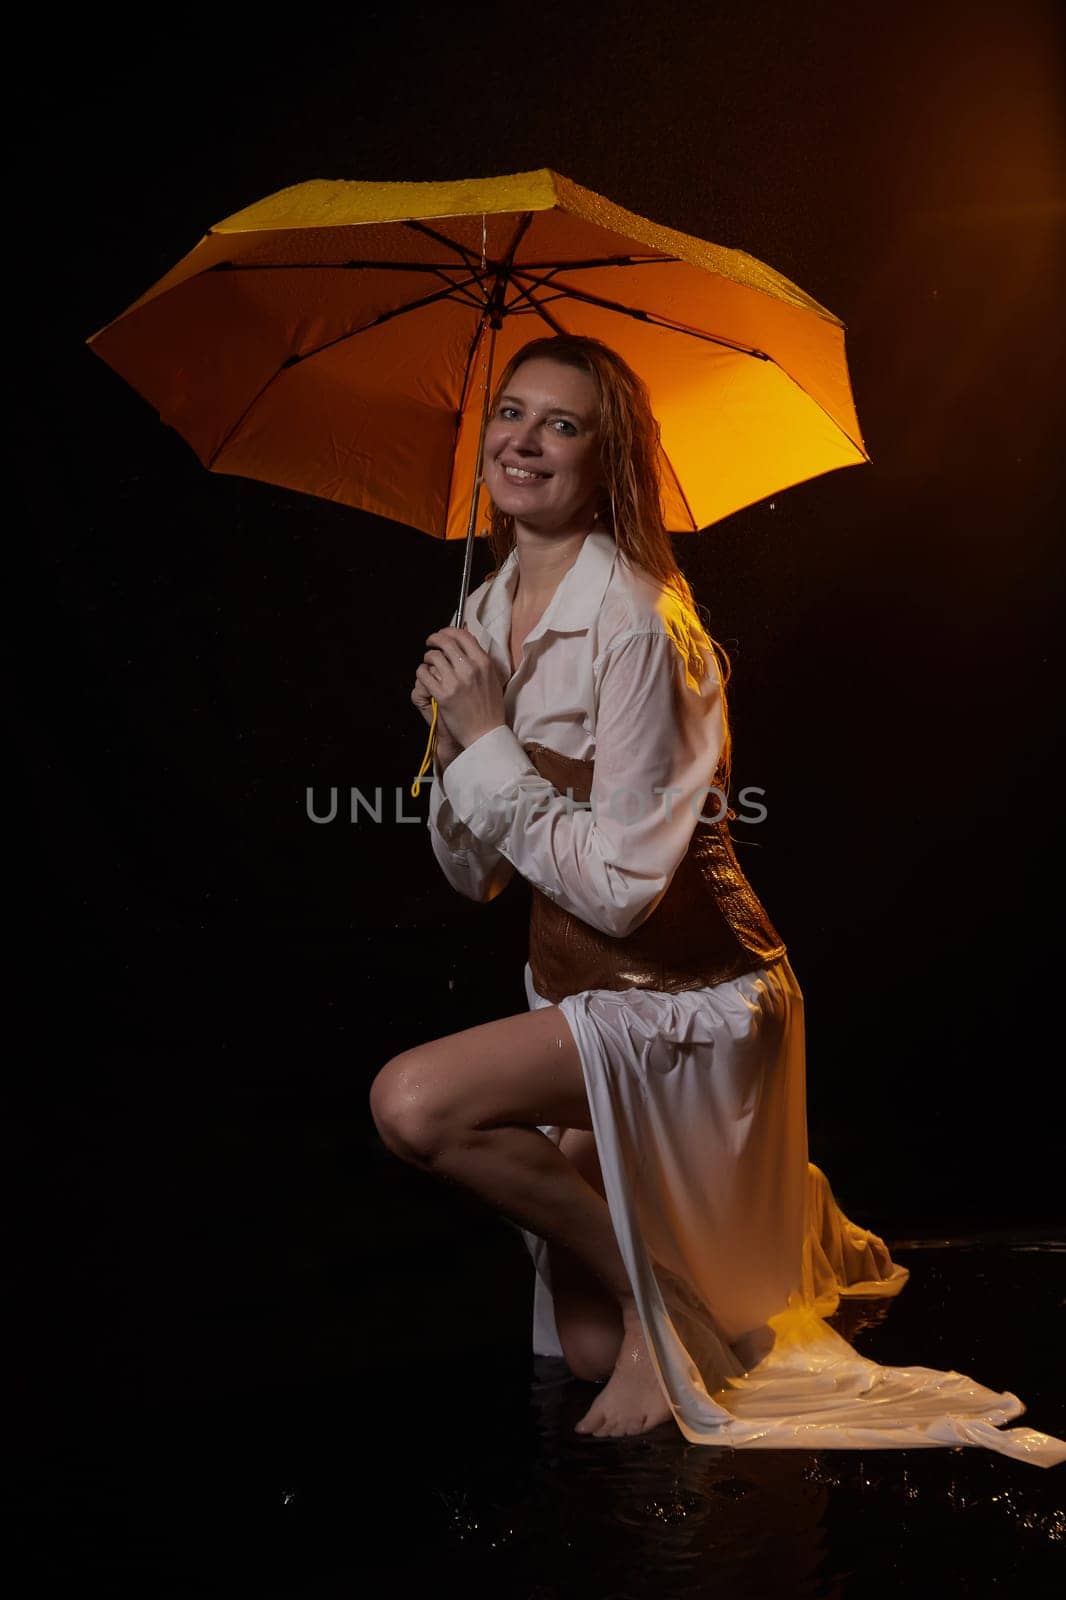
520,475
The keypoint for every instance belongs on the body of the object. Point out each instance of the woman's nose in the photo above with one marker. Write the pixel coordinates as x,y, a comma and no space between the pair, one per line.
525,437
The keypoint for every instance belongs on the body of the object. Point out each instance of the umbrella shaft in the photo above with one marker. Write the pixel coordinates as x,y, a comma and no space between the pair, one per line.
476,495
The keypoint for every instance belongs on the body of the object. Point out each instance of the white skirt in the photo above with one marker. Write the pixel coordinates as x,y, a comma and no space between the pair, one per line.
734,1245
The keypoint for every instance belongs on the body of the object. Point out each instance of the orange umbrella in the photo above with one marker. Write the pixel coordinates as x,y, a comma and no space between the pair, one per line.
340,338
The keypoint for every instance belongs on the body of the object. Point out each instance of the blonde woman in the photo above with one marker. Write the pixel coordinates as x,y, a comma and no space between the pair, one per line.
644,1122
583,743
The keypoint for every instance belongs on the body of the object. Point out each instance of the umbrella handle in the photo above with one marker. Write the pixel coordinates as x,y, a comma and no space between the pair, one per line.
427,759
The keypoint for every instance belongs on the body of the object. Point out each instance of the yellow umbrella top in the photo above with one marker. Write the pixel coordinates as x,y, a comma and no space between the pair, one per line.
334,338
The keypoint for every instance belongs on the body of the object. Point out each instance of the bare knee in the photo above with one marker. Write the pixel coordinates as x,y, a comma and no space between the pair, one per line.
407,1113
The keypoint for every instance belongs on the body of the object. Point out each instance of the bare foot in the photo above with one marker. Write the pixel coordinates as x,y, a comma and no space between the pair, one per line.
632,1400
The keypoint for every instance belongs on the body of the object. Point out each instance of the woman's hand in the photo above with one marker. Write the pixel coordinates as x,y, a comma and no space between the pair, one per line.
460,676
447,747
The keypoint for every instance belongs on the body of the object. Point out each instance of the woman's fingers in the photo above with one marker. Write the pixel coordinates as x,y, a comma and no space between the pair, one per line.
456,660
422,695
458,647
465,684
443,674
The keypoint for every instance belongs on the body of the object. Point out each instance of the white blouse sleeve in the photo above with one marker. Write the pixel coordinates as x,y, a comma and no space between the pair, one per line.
474,869
658,738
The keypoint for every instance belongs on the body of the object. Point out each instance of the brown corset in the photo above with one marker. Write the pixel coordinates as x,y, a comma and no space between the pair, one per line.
707,928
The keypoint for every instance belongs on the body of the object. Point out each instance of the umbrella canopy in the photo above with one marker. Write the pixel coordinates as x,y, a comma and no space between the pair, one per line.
339,338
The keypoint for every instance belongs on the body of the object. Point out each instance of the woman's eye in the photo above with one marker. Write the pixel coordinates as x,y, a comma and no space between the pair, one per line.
506,412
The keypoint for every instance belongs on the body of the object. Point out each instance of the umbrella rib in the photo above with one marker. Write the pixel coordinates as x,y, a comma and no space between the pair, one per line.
437,267
469,257
546,299
678,486
376,322
656,321
652,318
469,299
534,305
459,286
479,274
506,265
298,360
471,357
604,261
428,268
486,309
500,270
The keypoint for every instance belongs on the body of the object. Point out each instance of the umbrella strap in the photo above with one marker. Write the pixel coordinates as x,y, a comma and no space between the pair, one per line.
427,759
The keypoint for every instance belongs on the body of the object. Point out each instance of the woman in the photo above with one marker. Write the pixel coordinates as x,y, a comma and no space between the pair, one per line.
644,1122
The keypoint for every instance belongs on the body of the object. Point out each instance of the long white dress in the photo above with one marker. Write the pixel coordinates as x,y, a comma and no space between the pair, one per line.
734,1245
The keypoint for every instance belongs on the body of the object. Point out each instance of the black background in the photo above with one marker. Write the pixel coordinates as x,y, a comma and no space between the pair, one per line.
194,955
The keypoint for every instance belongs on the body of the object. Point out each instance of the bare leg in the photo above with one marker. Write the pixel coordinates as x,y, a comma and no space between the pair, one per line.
588,1317
467,1107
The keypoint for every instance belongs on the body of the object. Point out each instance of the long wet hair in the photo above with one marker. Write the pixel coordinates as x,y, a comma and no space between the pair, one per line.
631,501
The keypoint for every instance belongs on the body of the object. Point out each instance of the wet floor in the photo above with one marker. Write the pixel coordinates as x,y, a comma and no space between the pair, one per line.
271,1363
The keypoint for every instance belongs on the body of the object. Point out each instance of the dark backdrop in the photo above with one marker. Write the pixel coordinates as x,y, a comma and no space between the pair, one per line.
195,651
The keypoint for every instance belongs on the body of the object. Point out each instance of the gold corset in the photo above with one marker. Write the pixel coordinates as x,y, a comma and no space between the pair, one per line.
708,927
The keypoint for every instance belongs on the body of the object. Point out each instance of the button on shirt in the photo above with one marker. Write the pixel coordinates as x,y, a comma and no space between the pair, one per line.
605,676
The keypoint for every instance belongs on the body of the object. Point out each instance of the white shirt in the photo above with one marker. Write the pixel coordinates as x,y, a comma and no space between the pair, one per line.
604,676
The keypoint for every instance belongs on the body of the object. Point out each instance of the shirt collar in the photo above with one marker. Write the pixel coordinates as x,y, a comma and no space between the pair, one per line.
576,601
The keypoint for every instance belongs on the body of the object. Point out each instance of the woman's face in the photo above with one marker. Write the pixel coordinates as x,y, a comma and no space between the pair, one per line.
546,426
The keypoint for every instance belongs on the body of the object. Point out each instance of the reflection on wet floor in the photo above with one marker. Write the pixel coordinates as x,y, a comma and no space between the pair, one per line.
459,1470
